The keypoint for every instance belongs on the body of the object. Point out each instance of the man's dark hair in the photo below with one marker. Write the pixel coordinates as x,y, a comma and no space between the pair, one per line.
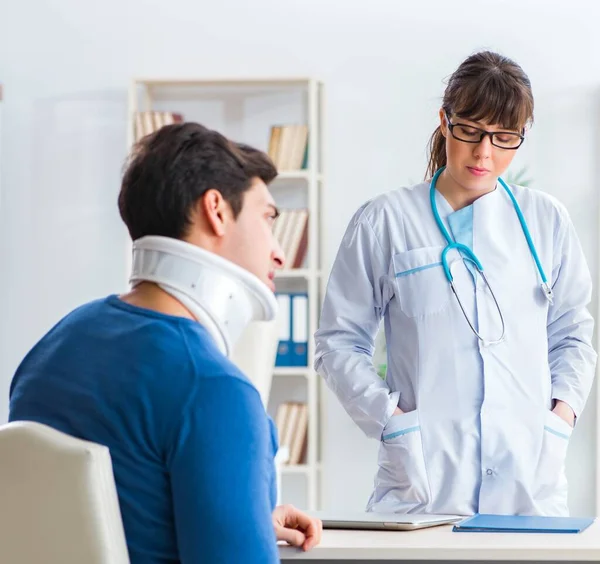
170,169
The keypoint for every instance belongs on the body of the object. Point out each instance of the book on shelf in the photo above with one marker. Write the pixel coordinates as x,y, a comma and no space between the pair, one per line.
291,232
151,121
291,421
288,147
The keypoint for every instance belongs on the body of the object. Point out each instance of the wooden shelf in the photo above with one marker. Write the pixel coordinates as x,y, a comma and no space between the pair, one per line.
297,273
293,371
163,89
296,175
298,468
237,82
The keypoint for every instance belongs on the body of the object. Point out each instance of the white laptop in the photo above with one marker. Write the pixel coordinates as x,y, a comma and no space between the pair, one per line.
383,521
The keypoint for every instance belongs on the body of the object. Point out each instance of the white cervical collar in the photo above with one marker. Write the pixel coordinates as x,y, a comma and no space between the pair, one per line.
222,296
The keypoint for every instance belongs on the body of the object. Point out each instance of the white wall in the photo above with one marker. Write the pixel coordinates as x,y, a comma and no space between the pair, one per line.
66,65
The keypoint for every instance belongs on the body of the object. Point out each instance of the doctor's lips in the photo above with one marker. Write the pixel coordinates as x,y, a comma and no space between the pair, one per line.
477,171
271,276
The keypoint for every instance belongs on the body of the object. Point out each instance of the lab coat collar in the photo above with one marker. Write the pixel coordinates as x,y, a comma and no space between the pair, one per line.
483,202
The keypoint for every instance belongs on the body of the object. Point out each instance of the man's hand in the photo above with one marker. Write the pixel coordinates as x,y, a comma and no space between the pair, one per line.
397,411
296,527
564,411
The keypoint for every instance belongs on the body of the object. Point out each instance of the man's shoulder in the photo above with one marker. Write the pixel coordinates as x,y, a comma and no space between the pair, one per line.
171,357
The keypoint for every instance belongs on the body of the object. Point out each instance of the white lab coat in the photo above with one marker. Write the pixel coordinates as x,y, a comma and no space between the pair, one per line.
478,434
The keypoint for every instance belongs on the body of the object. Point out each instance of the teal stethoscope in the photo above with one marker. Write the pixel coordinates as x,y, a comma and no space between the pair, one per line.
470,255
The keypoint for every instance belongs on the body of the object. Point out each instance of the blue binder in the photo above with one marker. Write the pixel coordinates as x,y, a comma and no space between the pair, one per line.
293,330
284,320
485,523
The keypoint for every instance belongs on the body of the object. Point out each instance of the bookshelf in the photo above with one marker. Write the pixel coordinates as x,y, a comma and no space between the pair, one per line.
245,109
1,98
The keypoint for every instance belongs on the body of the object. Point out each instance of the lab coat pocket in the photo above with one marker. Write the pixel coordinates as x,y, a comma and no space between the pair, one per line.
402,478
421,285
555,442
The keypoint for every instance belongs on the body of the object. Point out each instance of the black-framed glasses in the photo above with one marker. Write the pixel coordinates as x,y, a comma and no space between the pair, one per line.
468,134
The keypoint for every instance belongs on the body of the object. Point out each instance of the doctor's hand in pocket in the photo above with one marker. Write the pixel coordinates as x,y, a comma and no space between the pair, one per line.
564,411
296,527
397,411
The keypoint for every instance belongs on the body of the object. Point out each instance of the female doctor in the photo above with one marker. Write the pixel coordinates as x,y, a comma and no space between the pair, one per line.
483,290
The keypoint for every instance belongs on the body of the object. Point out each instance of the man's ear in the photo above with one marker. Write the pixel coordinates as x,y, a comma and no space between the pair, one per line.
216,210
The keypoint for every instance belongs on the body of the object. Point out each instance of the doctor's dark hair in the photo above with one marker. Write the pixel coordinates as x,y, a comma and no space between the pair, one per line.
169,170
486,86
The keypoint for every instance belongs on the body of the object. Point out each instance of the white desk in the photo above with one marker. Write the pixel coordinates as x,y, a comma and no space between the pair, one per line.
440,544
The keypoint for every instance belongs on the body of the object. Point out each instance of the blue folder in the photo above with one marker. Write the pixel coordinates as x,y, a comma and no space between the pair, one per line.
482,523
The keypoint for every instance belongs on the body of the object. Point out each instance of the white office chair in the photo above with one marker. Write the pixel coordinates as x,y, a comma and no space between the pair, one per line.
58,500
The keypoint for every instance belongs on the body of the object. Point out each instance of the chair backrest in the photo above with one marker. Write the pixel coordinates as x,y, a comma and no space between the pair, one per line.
58,500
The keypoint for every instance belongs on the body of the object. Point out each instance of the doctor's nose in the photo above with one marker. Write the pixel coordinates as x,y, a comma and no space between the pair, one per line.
483,149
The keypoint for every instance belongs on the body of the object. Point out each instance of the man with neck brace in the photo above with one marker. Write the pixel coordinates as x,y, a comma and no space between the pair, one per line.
147,373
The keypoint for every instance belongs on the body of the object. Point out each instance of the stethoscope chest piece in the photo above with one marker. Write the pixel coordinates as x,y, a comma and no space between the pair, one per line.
468,255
